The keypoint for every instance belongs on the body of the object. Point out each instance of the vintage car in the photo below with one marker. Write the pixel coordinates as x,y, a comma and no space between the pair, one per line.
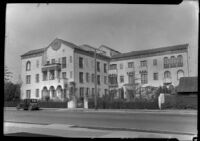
28,104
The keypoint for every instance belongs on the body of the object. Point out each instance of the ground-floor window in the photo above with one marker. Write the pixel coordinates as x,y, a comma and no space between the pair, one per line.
144,78
37,93
81,91
28,94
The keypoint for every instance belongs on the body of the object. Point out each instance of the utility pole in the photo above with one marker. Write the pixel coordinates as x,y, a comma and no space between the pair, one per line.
95,79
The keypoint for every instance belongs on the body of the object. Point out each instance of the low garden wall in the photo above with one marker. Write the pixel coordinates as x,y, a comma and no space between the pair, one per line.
180,102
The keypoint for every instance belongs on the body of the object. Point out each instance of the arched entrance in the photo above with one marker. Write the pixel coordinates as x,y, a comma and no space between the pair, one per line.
59,92
45,93
52,92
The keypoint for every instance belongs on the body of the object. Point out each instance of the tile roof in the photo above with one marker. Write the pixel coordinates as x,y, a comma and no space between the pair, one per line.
150,51
36,51
188,84
109,48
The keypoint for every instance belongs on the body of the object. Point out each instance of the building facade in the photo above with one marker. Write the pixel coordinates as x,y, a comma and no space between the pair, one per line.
154,67
48,73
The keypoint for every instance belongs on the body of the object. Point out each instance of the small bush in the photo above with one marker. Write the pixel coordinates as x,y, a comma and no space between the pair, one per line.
51,104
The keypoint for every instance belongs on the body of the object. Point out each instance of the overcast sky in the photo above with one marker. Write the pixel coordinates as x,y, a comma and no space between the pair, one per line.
123,27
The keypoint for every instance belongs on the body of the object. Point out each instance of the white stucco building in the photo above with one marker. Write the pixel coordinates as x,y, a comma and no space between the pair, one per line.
50,72
153,67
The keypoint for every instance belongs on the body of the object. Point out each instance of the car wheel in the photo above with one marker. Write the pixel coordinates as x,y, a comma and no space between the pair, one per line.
30,108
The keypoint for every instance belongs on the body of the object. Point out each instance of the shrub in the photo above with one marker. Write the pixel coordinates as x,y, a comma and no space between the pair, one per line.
52,104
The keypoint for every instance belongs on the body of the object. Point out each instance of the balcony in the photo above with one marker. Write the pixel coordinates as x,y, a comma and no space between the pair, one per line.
54,66
114,71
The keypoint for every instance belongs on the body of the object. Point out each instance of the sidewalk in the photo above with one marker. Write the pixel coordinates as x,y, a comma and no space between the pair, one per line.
64,130
153,111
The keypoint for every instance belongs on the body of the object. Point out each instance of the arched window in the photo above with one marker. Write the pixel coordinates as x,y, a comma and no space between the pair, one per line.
180,60
167,74
166,62
28,66
172,62
180,73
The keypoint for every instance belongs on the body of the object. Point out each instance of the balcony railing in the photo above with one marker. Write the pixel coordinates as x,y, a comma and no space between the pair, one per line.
54,66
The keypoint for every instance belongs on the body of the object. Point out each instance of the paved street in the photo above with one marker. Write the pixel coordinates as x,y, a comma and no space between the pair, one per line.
135,123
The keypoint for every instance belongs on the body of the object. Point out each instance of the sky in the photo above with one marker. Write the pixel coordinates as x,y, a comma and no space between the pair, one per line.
123,27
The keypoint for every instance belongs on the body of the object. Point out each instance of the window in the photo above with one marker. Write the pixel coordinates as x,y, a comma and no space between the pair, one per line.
131,78
121,79
37,78
64,75
166,62
98,79
37,63
121,66
87,77
180,61
28,66
180,73
59,60
93,93
71,74
130,64
105,91
37,93
51,75
155,76
44,75
70,59
64,61
81,91
167,74
87,92
143,63
155,62
81,77
28,79
80,62
53,61
105,79
105,68
172,62
28,94
144,79
113,66
92,78
86,62
98,66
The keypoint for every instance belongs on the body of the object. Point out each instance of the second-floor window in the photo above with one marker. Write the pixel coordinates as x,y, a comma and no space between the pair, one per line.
112,79
144,78
155,76
70,59
105,68
121,79
130,64
121,66
105,79
179,60
167,74
92,78
71,74
28,79
37,63
64,75
64,62
143,63
131,79
80,62
155,62
98,79
81,77
51,75
44,75
87,77
172,62
113,66
166,62
37,93
28,66
98,66
53,61
37,78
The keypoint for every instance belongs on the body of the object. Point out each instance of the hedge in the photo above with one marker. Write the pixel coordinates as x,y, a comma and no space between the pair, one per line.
42,104
180,102
122,104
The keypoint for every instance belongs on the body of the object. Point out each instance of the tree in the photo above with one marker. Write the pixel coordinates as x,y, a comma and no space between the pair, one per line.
7,74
